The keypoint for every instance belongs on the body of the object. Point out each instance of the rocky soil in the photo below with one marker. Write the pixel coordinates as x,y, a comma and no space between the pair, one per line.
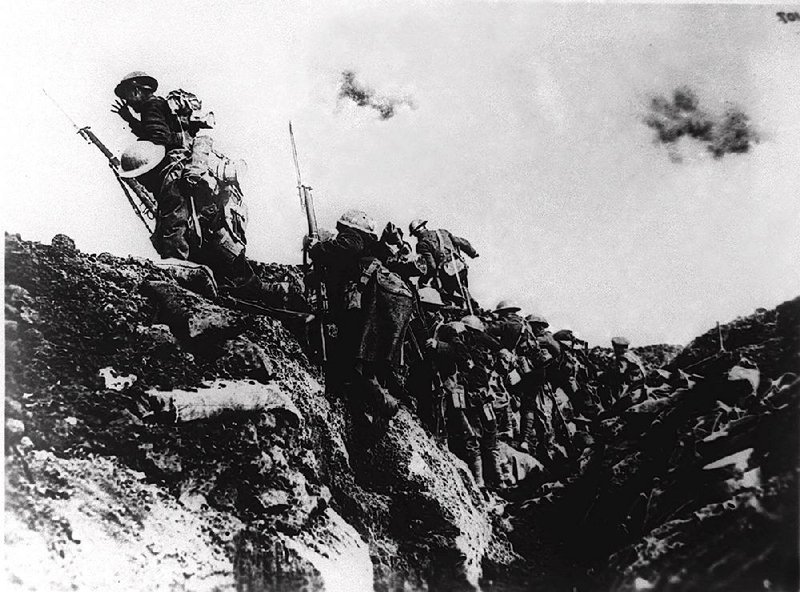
157,439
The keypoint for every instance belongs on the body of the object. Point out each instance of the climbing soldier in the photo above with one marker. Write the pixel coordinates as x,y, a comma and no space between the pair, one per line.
444,264
423,376
201,213
536,351
370,307
157,158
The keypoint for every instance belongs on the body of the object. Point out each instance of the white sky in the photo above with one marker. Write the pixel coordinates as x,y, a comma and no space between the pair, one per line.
527,140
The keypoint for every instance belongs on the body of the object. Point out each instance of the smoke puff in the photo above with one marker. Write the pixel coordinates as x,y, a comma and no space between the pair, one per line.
723,134
364,96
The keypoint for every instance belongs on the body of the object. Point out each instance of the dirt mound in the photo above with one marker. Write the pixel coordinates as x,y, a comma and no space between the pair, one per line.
770,338
197,442
693,488
221,414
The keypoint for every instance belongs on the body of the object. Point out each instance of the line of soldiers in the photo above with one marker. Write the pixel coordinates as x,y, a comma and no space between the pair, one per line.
404,327
408,333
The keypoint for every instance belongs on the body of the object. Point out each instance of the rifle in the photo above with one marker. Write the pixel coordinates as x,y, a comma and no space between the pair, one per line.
282,314
145,208
315,291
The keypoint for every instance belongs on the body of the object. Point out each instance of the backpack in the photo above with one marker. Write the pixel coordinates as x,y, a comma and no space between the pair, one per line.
452,263
188,109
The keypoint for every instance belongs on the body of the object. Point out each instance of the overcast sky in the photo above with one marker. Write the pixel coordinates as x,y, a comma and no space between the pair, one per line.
526,138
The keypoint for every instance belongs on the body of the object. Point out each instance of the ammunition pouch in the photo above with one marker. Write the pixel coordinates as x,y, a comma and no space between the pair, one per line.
487,412
457,397
455,393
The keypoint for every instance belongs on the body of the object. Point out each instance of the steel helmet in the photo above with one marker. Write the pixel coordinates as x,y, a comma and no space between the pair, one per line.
620,342
416,224
140,157
429,295
358,220
456,326
564,335
507,306
473,322
142,79
534,319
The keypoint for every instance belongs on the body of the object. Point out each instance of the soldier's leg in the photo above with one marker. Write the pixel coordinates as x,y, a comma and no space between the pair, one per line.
490,452
171,239
463,441
449,288
375,393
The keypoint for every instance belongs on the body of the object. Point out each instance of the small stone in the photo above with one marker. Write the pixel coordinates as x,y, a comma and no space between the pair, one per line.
14,430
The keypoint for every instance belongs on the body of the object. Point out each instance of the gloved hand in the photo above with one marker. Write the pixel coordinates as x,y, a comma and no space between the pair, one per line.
309,242
120,107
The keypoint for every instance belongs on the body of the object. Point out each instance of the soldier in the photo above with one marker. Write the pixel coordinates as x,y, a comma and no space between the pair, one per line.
625,373
201,213
371,308
462,351
424,379
444,265
571,373
164,145
501,398
508,328
536,351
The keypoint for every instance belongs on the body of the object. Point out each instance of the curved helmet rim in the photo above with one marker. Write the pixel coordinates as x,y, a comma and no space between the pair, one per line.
507,306
133,78
473,322
534,319
369,222
416,224
564,335
158,154
457,326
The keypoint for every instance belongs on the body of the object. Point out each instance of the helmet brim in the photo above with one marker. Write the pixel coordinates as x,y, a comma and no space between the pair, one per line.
508,309
157,157
147,81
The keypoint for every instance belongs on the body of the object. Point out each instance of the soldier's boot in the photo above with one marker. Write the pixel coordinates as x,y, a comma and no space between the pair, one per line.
397,391
475,464
268,294
527,431
383,403
495,469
